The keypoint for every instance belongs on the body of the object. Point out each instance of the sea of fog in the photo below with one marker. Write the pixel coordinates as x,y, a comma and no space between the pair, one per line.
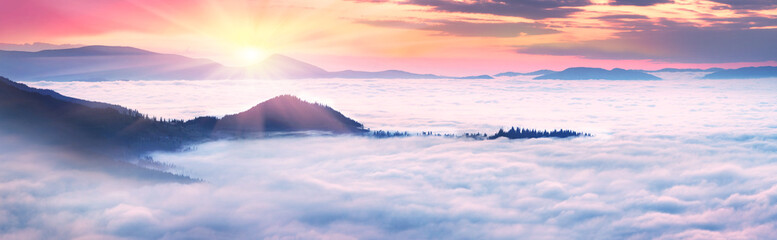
680,158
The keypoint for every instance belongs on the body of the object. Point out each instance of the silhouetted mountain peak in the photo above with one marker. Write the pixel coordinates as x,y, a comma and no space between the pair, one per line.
289,113
282,99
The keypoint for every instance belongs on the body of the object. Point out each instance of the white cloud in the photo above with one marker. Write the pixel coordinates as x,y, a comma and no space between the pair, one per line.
352,187
678,159
679,105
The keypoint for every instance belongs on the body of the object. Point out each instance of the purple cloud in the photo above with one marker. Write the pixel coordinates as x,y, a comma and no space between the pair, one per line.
640,2
470,29
687,45
531,9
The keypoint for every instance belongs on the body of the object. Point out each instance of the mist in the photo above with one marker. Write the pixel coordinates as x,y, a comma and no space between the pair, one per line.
361,188
679,104
674,159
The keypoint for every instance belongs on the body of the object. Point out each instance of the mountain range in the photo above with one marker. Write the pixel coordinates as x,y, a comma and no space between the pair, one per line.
582,73
105,63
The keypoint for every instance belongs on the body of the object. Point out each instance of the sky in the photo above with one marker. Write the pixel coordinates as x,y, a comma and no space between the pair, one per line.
426,36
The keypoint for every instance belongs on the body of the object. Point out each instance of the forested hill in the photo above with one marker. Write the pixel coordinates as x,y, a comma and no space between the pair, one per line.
50,118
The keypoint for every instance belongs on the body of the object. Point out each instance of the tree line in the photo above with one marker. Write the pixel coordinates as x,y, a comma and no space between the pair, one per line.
513,133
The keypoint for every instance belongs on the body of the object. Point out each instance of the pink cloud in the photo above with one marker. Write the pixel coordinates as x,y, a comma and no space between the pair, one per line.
44,20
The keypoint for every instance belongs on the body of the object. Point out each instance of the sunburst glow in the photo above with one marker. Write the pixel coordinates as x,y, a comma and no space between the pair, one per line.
251,55
381,35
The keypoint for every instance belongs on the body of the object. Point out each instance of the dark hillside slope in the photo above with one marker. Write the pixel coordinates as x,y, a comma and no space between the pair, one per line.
89,129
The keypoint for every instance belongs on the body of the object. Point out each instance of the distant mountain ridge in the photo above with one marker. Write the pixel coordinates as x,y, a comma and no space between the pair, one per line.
477,77
686,70
94,50
584,73
513,74
98,63
388,74
744,73
104,63
279,66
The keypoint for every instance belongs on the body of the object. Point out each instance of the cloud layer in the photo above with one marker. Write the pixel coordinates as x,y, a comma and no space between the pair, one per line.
454,105
672,159
712,187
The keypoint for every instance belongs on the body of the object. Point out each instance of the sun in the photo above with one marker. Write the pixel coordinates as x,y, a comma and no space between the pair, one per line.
251,55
